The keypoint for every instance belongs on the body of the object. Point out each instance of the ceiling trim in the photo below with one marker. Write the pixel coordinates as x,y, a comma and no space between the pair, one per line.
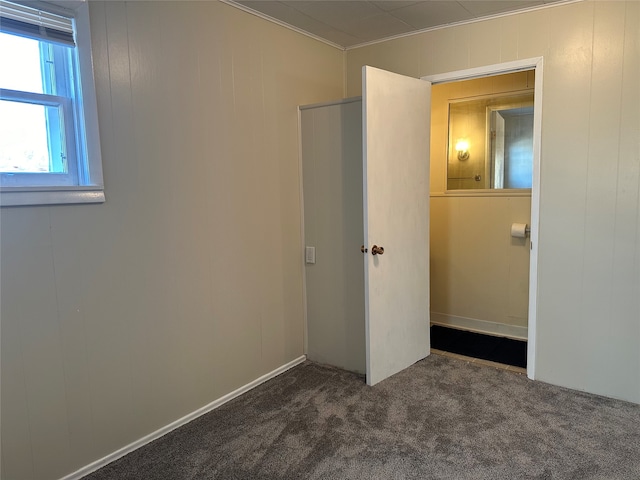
463,22
264,16
268,18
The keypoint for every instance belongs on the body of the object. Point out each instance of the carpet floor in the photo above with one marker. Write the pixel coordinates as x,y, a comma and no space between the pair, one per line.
477,345
442,418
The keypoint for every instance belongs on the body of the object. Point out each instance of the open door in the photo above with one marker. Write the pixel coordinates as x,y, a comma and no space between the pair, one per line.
396,131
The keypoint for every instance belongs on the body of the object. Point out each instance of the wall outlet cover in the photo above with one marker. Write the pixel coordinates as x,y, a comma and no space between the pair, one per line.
310,255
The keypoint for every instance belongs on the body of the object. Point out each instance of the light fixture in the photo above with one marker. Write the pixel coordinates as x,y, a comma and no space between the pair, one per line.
462,147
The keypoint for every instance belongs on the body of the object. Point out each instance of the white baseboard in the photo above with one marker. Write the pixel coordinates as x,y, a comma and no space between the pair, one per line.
480,326
92,467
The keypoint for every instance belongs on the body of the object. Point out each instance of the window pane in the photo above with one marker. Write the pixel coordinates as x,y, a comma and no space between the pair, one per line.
25,145
518,145
23,57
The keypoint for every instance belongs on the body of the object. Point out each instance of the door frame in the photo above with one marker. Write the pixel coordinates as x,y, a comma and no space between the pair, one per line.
536,64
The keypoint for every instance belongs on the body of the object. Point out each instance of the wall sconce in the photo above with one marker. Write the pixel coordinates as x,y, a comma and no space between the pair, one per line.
462,147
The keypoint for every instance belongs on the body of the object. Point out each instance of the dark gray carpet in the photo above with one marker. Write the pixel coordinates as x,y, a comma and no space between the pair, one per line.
440,419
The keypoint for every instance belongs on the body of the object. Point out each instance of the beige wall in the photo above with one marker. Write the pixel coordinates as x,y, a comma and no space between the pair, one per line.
588,333
118,319
479,273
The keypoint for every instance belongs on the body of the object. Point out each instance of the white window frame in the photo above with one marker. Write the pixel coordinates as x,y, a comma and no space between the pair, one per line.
84,182
52,179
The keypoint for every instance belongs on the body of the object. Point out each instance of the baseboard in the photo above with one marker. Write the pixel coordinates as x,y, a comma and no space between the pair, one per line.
92,467
479,326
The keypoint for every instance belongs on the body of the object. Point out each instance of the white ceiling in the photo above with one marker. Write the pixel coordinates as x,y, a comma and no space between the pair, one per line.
348,23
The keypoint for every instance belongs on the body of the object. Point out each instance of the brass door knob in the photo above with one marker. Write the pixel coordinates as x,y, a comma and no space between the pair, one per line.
376,250
363,249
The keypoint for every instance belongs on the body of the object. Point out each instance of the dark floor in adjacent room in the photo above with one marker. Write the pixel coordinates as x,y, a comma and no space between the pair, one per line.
477,345
441,418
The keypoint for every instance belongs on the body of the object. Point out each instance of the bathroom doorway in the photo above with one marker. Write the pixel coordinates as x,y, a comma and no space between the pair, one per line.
485,141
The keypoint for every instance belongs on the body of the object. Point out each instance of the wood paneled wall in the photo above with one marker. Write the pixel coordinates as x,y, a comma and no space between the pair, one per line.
118,319
588,332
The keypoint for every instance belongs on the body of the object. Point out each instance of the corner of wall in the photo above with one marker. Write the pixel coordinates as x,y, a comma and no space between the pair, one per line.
344,73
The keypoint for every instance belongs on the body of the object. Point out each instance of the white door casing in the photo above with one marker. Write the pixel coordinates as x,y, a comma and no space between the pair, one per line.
396,134
535,63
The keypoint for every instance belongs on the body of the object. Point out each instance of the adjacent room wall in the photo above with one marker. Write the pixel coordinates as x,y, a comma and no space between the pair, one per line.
479,273
118,319
589,254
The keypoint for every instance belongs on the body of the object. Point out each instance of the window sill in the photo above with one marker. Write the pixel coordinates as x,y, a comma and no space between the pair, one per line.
14,197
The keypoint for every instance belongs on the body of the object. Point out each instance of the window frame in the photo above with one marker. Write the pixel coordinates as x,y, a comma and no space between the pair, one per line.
50,179
84,181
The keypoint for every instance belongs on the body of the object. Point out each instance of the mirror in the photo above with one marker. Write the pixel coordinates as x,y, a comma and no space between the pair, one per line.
491,143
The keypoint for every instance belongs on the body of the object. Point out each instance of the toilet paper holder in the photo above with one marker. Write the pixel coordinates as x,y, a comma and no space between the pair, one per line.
520,230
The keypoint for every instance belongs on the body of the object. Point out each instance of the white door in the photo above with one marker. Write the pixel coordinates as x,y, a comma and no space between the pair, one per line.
396,131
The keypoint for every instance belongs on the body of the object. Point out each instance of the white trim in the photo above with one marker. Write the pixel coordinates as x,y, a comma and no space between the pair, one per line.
463,22
480,326
535,63
88,104
264,16
535,221
485,71
365,224
303,241
51,196
92,467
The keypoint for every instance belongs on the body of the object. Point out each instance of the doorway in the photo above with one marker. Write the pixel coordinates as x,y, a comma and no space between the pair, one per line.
490,299
315,211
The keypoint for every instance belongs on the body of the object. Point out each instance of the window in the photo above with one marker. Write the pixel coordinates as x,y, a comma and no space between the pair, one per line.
49,147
